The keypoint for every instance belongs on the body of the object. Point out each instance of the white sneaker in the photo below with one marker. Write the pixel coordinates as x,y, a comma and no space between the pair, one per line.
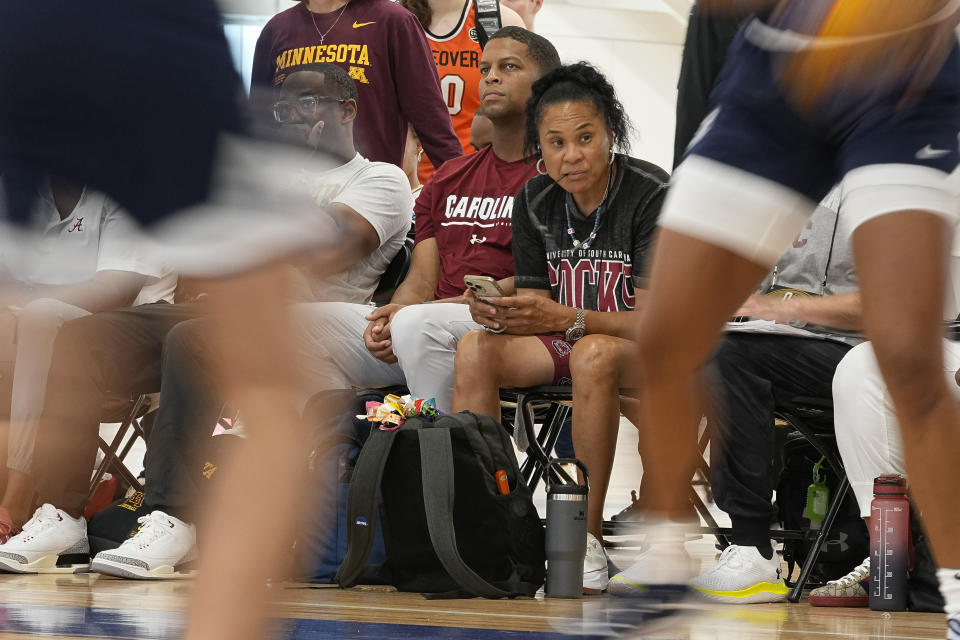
743,576
662,567
163,548
595,574
852,590
51,542
950,590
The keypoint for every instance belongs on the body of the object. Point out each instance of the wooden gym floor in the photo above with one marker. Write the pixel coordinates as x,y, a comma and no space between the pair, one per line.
92,606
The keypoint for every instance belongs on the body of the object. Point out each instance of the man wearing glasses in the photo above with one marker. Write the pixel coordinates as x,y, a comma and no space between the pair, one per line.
383,48
121,351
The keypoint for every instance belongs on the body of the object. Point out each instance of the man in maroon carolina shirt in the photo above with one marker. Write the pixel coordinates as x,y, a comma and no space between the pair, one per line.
463,226
383,48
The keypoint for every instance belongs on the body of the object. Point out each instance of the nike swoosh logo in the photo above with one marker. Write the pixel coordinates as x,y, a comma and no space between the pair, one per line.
357,25
929,153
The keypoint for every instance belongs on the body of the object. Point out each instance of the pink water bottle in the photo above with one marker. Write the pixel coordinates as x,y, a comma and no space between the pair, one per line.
889,543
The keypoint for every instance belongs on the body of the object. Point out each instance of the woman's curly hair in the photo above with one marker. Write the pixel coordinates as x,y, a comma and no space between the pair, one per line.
419,8
576,83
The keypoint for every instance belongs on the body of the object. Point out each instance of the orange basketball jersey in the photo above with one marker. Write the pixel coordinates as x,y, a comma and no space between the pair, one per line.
457,55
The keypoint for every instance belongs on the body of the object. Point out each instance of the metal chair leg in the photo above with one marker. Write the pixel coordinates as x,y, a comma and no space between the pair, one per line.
540,444
111,459
814,554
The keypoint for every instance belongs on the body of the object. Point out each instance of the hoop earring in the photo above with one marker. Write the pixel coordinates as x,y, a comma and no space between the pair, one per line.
612,156
543,171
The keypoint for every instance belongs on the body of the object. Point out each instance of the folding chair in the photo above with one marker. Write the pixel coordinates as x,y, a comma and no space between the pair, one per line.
523,408
813,419
550,407
133,416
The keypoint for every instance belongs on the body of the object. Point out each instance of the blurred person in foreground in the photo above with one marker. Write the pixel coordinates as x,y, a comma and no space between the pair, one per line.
91,259
177,160
812,94
370,202
792,333
581,234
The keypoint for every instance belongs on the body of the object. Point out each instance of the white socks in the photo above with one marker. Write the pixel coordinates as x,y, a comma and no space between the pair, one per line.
658,531
950,589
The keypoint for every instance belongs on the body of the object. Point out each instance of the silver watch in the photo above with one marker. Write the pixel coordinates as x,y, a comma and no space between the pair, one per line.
579,328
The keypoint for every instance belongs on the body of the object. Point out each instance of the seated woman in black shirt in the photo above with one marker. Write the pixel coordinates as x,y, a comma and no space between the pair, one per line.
581,234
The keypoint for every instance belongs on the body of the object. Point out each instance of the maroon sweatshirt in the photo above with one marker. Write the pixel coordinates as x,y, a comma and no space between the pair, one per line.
383,47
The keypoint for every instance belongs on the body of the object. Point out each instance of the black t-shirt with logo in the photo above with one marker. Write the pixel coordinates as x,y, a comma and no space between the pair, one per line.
603,277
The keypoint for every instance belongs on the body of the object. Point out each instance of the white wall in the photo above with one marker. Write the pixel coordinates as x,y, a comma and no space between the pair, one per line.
638,50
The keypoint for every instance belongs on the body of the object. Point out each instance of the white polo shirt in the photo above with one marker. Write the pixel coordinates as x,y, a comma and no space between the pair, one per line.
97,236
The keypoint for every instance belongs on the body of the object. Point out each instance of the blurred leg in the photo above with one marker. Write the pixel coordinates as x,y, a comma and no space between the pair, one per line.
901,262
868,434
257,370
37,328
8,357
114,353
680,323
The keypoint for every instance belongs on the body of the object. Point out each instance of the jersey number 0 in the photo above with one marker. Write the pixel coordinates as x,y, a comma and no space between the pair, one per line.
453,87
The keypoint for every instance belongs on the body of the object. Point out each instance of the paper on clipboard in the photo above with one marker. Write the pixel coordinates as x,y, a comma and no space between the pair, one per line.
770,327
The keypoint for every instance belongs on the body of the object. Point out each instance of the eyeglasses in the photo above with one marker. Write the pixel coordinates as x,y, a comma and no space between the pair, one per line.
306,106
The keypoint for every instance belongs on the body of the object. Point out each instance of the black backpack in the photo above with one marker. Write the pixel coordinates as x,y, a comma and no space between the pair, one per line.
848,543
322,540
849,540
449,530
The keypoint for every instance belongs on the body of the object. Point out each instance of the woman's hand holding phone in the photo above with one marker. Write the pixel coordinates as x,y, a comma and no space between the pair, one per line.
483,313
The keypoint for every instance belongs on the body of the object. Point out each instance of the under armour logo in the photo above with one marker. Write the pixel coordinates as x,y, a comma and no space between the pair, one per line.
841,540
77,226
476,240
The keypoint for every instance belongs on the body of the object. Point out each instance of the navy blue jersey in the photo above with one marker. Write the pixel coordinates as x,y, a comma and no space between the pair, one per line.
127,97
753,126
